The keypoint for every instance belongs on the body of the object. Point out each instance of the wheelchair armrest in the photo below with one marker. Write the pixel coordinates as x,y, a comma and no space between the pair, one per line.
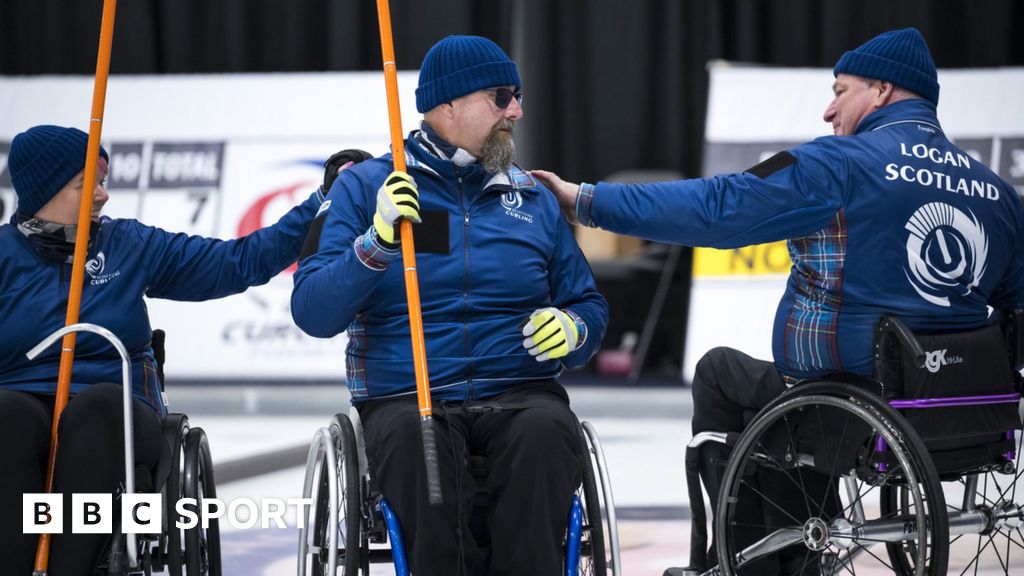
889,325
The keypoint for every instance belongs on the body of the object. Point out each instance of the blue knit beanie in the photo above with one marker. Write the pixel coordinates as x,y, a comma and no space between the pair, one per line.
897,56
42,160
460,65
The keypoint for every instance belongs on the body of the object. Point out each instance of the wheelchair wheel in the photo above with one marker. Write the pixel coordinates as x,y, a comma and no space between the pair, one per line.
593,553
599,547
340,468
202,545
997,548
172,552
803,489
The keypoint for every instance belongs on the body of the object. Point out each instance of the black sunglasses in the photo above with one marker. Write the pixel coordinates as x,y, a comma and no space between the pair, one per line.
503,97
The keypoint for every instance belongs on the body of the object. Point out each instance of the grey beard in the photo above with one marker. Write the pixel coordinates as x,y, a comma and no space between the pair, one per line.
499,150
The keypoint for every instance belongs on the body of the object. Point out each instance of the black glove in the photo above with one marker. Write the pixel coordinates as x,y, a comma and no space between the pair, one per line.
338,162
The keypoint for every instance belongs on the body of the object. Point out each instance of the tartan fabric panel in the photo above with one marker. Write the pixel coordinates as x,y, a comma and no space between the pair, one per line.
355,365
811,331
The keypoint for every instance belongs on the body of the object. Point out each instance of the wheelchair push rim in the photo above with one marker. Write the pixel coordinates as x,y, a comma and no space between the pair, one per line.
839,527
333,539
202,545
600,548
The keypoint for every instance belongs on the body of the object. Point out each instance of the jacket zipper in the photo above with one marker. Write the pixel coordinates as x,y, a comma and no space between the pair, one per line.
465,286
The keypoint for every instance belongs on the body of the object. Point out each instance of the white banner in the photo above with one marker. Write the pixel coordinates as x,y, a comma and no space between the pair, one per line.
219,156
754,112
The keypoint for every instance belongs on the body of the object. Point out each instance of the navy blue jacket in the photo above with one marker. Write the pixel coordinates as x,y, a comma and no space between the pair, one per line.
489,252
127,260
894,219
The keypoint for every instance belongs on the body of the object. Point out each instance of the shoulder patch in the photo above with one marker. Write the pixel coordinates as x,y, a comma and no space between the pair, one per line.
323,207
772,165
522,178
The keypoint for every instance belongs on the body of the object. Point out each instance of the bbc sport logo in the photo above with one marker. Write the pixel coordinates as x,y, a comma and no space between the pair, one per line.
143,513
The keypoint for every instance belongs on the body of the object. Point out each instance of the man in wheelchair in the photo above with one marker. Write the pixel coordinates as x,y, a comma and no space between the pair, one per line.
127,260
887,217
507,298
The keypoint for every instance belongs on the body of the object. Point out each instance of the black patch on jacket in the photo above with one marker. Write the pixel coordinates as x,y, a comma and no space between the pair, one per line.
312,243
772,165
431,235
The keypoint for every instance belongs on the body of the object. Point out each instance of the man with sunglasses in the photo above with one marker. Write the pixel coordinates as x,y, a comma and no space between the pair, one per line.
508,301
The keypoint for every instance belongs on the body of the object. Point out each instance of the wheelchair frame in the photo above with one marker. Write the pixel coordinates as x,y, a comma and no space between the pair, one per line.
190,475
337,464
914,524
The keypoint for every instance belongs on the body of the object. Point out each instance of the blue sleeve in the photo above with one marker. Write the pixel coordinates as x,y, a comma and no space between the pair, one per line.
1009,293
734,210
336,280
195,268
574,291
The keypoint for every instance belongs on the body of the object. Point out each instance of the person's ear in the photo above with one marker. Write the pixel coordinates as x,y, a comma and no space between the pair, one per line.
885,90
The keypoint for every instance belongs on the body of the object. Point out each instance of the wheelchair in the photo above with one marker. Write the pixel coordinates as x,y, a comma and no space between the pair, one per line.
349,515
185,470
912,472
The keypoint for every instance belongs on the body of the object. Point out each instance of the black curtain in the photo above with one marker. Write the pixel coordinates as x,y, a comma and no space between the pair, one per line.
624,84
610,84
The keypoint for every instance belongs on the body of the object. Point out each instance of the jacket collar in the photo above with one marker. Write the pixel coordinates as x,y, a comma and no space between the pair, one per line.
915,110
425,150
52,241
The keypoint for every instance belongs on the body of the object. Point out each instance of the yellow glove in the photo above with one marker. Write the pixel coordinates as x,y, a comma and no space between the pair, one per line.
397,198
550,333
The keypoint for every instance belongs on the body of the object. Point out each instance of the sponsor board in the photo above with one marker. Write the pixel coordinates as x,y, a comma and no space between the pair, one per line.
188,155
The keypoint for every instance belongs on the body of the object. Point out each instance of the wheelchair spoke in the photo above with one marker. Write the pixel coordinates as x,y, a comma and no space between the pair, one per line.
807,558
1009,539
1012,488
974,561
772,502
995,548
772,459
835,462
856,501
984,493
800,476
1018,543
867,550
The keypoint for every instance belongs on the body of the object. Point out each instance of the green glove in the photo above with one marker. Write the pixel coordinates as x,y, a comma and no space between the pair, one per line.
397,198
550,333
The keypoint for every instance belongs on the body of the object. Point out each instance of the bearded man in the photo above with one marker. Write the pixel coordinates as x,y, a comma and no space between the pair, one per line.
508,301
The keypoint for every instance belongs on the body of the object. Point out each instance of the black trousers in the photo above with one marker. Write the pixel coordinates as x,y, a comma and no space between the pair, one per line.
729,387
534,453
90,458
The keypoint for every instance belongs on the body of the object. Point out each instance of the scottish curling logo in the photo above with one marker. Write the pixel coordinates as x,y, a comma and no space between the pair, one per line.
946,252
95,267
512,201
